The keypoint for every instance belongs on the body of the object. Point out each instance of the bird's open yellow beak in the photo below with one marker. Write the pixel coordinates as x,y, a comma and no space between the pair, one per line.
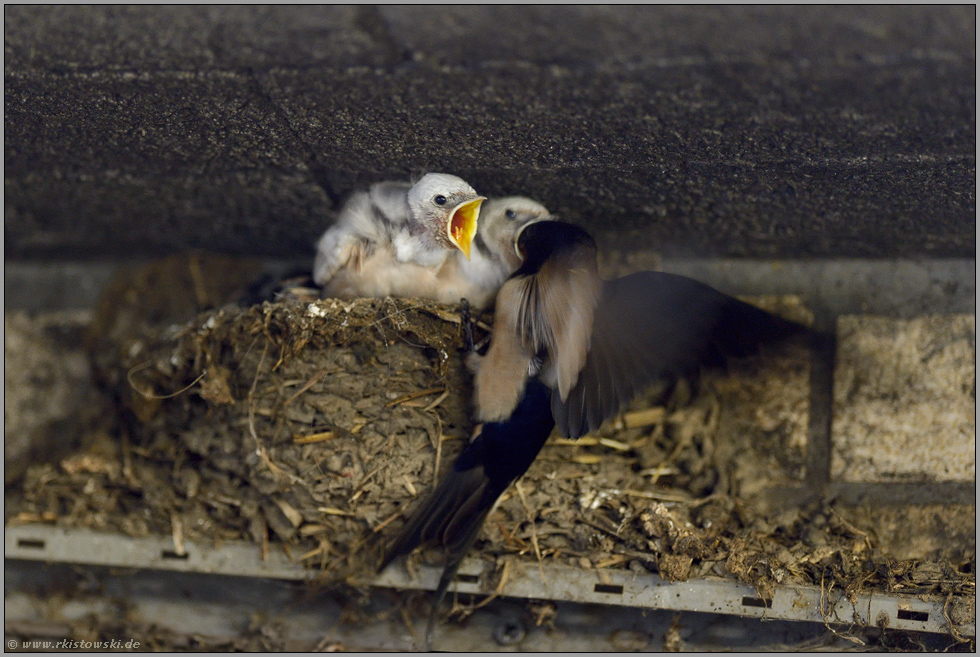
463,222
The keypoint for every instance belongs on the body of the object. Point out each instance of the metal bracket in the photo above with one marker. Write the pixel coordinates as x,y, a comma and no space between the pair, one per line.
919,613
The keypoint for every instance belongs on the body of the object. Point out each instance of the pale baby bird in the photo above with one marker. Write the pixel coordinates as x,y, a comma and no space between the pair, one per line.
393,239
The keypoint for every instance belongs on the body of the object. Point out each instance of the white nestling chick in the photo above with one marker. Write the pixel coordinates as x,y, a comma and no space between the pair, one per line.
494,256
392,239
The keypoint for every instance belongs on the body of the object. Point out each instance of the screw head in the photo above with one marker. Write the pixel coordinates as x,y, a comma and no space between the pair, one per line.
509,631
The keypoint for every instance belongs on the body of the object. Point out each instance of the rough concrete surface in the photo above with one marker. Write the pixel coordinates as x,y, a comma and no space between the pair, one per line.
905,399
48,392
951,529
742,131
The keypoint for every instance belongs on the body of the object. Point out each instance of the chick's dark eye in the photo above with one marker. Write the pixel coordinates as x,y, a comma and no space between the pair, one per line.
510,214
440,200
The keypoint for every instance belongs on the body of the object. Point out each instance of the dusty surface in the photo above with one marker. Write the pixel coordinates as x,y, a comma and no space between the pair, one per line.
316,425
905,399
48,396
908,533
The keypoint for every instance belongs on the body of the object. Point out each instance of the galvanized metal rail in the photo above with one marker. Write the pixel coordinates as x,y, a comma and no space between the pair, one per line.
919,613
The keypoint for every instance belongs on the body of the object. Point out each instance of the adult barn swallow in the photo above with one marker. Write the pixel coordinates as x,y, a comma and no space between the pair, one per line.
395,237
569,349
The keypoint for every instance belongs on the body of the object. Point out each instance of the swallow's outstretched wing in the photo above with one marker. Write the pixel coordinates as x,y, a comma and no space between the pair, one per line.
654,326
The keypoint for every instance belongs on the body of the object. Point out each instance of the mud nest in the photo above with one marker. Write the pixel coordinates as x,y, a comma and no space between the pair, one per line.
314,426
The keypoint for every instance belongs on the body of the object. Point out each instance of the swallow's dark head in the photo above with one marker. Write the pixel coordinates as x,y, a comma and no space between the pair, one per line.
539,241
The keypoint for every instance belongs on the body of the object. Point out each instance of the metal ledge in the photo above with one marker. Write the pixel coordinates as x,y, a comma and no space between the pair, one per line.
524,580
891,287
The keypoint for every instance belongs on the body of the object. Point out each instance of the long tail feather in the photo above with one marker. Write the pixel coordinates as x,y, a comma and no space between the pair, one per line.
452,515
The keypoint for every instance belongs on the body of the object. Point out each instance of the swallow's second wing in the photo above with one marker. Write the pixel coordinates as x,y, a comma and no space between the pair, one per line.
655,326
557,310
546,309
